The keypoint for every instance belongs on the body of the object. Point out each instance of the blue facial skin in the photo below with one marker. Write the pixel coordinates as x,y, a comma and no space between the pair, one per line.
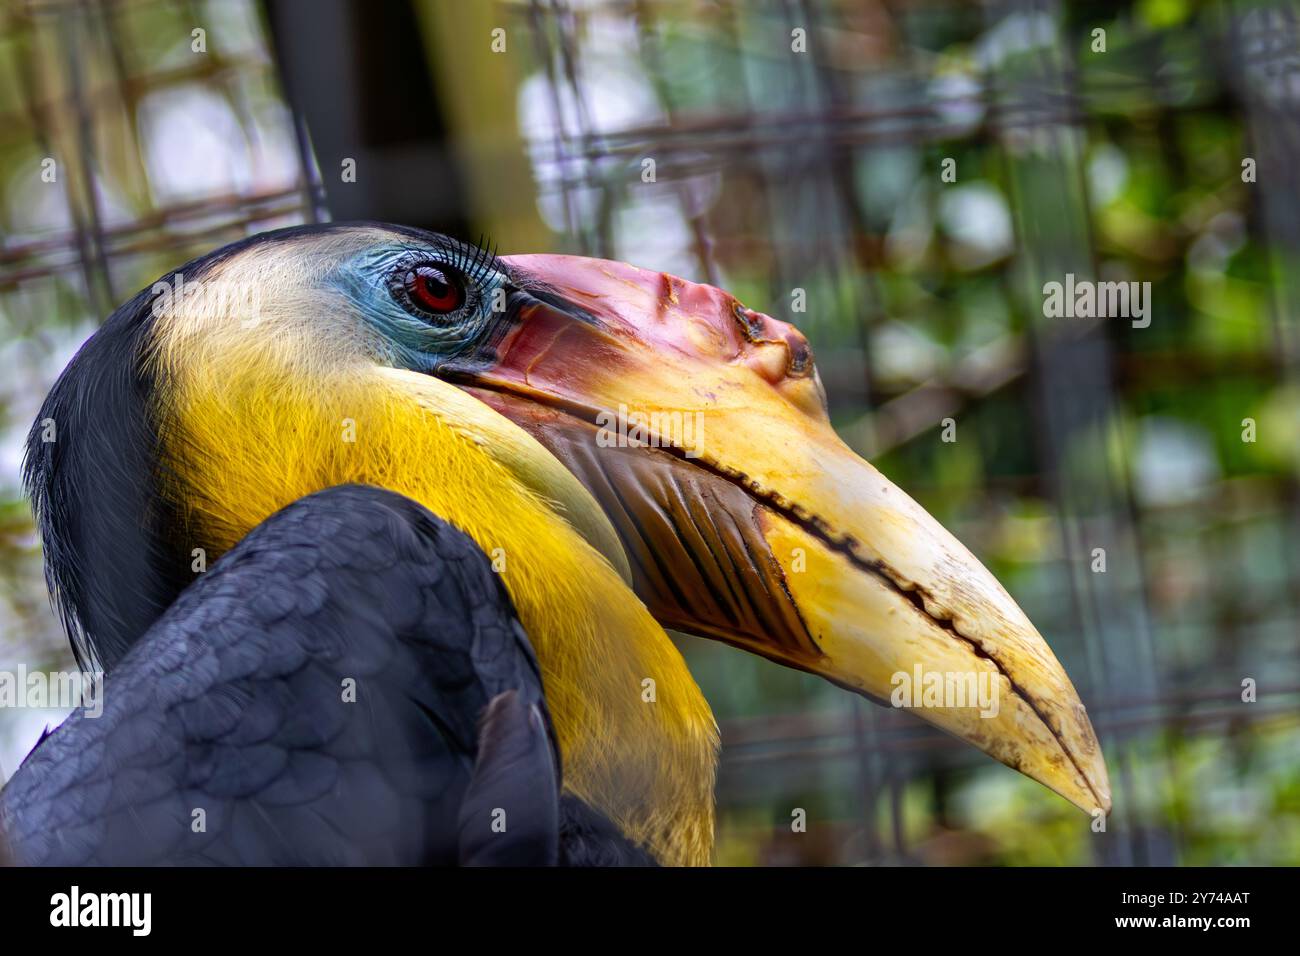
415,342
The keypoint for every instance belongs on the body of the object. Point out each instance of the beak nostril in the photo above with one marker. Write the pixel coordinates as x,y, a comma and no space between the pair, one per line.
800,358
756,329
750,322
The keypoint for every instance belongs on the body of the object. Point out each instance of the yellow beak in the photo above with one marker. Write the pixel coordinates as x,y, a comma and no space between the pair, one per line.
700,427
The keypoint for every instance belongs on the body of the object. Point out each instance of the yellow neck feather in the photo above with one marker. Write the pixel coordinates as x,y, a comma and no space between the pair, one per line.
246,433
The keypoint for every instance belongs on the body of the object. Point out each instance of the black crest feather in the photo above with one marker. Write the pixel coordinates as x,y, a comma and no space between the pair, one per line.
89,469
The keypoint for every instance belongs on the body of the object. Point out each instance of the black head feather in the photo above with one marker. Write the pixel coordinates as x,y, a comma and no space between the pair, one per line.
93,491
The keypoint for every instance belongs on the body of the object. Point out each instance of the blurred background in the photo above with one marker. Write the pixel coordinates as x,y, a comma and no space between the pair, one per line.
797,145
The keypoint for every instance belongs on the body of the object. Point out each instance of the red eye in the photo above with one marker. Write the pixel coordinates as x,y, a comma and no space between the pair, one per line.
435,290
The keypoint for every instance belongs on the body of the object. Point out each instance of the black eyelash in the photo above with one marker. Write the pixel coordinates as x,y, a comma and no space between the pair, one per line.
475,262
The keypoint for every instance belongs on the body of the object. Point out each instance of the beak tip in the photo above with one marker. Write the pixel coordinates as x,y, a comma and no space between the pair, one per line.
1092,790
1101,786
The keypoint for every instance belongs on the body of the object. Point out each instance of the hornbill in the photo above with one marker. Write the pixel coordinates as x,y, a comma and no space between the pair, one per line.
476,490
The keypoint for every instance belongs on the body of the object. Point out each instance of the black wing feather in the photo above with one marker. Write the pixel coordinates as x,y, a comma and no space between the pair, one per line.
233,704
513,752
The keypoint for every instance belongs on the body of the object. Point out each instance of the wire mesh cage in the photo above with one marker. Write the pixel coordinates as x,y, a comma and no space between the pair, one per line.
902,180
124,154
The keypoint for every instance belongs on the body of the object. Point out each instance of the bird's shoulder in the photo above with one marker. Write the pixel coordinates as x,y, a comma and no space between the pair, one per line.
313,697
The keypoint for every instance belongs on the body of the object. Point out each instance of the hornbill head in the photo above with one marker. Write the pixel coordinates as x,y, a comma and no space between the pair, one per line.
592,425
